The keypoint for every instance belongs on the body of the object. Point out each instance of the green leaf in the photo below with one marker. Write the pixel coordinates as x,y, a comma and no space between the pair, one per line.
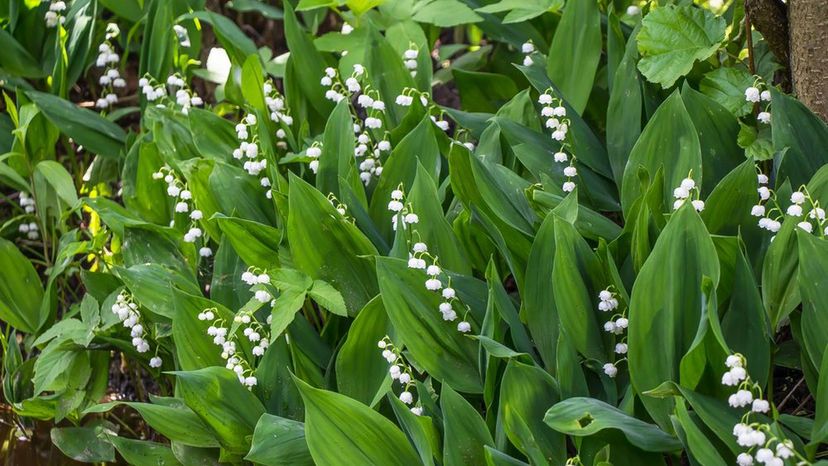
170,417
341,430
465,434
268,11
813,278
97,134
436,344
726,85
21,291
578,273
143,453
359,377
624,110
327,246
16,59
521,10
669,142
86,444
796,128
255,243
444,13
673,38
575,52
583,417
279,442
328,298
434,229
526,391
337,163
665,305
225,405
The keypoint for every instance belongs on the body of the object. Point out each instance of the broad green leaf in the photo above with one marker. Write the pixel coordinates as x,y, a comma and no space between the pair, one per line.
170,417
442,351
310,67
150,284
465,434
444,13
16,59
578,273
813,278
669,142
337,163
539,308
255,243
798,130
95,133
358,376
213,136
727,86
575,52
225,405
278,441
433,228
521,10
341,430
698,445
86,444
624,110
525,392
673,38
21,291
665,305
327,246
583,417
780,275
142,452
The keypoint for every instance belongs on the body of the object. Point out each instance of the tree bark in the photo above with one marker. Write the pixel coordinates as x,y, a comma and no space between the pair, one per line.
808,25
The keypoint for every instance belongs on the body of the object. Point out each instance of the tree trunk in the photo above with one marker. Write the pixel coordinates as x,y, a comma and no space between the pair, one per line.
808,26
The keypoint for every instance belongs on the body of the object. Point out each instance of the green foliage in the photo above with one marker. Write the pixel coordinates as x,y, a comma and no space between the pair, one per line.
438,232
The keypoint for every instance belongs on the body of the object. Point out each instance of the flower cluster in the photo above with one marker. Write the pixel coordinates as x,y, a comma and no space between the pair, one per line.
555,113
182,35
55,16
27,203
410,59
761,443
177,190
608,302
419,258
225,336
759,93
279,112
248,150
108,61
688,190
528,48
151,89
803,208
407,97
355,84
184,96
127,311
314,152
371,164
401,210
30,229
400,371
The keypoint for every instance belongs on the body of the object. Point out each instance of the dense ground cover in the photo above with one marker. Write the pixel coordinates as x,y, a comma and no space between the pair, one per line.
454,232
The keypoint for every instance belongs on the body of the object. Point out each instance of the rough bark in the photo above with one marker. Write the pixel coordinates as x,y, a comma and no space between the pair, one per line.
770,18
808,24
